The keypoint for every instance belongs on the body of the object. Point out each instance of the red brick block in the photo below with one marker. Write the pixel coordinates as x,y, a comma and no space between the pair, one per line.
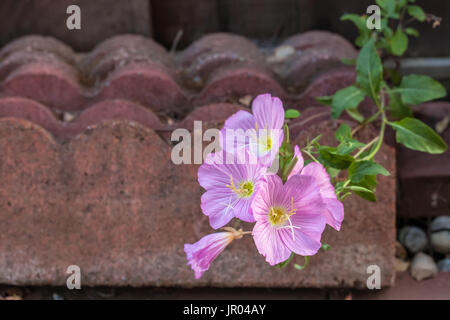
53,84
37,113
202,59
236,83
112,202
218,67
119,51
317,38
308,55
325,84
146,85
39,44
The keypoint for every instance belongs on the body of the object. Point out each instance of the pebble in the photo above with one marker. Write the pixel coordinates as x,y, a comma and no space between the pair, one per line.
400,251
413,238
444,265
441,241
423,267
440,223
401,265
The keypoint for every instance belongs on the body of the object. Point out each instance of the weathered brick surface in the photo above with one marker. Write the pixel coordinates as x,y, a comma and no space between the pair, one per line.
21,108
101,191
325,85
202,59
218,67
112,202
315,38
212,115
238,83
308,55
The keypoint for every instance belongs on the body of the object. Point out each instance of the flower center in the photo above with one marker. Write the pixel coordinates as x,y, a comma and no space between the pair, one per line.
245,189
268,144
277,215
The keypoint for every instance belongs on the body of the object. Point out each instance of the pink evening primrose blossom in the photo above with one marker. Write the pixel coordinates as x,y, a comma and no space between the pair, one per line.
260,132
203,252
289,218
230,188
334,213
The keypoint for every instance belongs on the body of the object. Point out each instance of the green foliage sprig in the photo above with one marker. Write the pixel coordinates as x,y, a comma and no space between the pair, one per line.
393,95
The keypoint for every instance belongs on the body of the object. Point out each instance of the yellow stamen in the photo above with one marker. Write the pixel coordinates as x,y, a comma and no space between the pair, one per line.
279,215
245,189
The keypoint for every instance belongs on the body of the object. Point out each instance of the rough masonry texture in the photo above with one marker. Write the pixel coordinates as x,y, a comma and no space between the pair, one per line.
111,201
87,177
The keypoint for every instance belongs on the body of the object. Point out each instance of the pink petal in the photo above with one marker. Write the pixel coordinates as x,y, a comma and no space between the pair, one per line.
299,164
203,252
335,213
322,177
304,241
243,211
235,133
269,243
268,112
241,120
268,188
305,193
218,206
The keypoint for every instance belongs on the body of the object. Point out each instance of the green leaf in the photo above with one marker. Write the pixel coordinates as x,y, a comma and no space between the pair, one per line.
325,247
416,12
333,159
397,109
291,114
415,89
399,42
369,70
368,182
387,32
359,169
285,263
416,135
332,172
364,193
347,98
298,267
343,133
347,147
358,188
354,113
360,23
325,100
412,32
390,7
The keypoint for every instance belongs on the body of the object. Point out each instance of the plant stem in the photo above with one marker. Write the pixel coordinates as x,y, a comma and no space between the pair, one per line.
366,122
380,106
380,139
310,155
366,147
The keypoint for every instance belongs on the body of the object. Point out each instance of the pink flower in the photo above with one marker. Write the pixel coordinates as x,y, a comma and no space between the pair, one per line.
289,218
203,252
230,188
334,213
260,132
